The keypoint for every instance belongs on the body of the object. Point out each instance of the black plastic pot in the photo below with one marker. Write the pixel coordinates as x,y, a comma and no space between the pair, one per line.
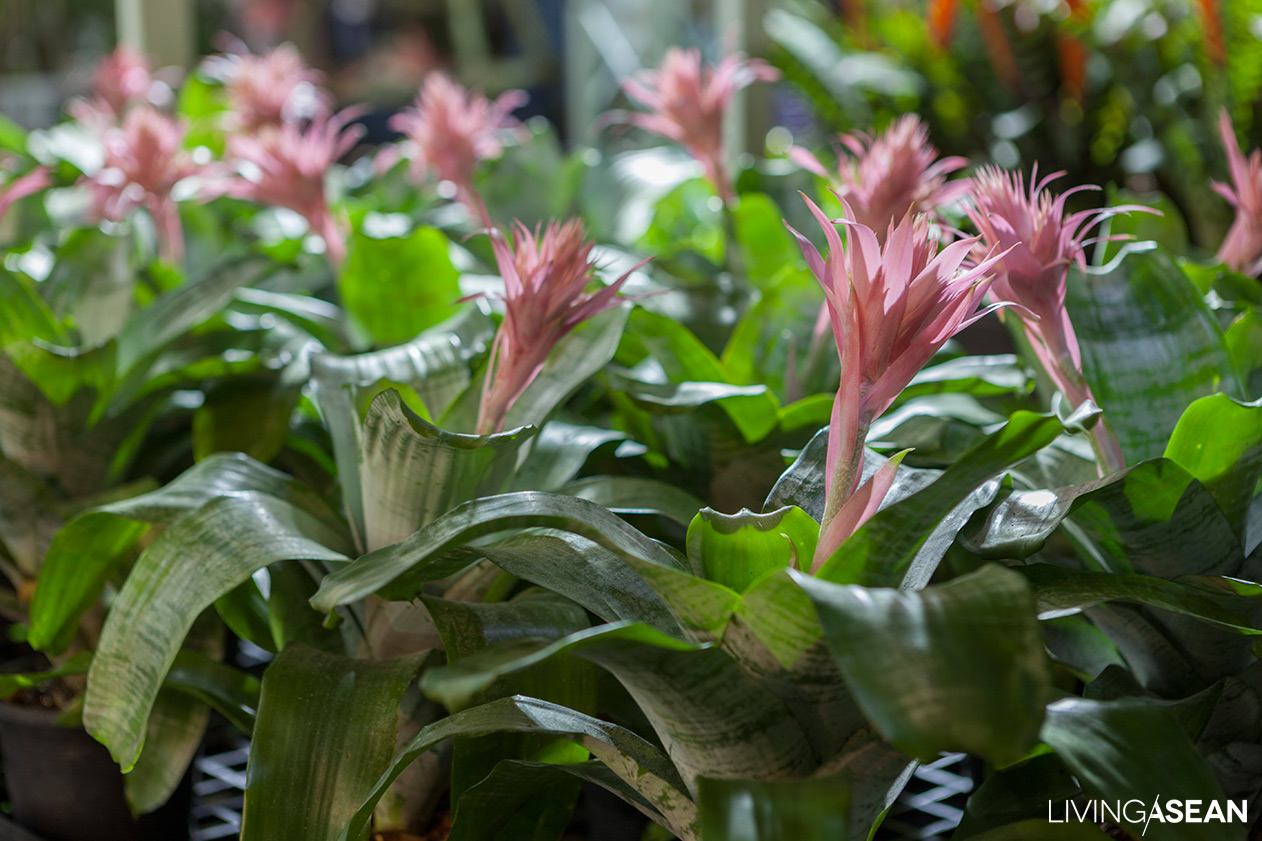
65,787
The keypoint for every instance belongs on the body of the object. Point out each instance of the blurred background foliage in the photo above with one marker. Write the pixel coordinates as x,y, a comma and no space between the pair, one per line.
1121,92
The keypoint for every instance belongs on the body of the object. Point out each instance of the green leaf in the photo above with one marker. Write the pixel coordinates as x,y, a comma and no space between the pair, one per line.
75,664
435,365
961,667
478,518
686,360
1018,794
1244,343
528,800
176,312
92,546
177,724
738,549
1059,591
246,415
232,693
1150,346
640,765
396,287
903,543
774,810
719,720
1219,442
766,246
635,495
1110,747
558,453
411,471
325,732
210,552
534,615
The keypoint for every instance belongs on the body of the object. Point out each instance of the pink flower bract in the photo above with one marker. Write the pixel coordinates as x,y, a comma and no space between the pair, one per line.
688,100
122,79
455,129
284,166
144,160
272,89
1242,248
891,309
1041,241
546,276
891,173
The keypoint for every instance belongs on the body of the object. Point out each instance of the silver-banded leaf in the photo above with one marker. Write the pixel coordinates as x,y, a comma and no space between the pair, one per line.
411,472
962,665
435,365
640,765
558,453
325,730
714,719
477,518
92,546
209,552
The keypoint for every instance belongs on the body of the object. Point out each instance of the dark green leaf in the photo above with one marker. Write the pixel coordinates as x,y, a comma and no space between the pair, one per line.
1110,746
1219,442
210,552
774,810
961,667
903,543
325,731
635,761
1150,346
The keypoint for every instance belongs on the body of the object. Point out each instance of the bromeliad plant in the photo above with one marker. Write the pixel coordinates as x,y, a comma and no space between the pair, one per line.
496,483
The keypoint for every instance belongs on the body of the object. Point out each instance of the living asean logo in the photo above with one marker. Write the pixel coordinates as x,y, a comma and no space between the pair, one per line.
1139,814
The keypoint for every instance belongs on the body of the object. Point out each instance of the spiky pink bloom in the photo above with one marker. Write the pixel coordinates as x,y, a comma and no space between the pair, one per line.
272,89
22,186
890,174
891,309
284,166
1242,249
454,129
1041,242
545,297
123,78
144,160
688,100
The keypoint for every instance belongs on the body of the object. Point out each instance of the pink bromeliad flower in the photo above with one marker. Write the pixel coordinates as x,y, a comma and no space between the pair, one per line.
1041,241
545,297
273,89
21,187
284,166
688,100
121,80
890,174
1242,249
144,160
454,129
891,308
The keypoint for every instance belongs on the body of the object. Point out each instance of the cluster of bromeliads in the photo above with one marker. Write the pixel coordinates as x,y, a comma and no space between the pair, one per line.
493,482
